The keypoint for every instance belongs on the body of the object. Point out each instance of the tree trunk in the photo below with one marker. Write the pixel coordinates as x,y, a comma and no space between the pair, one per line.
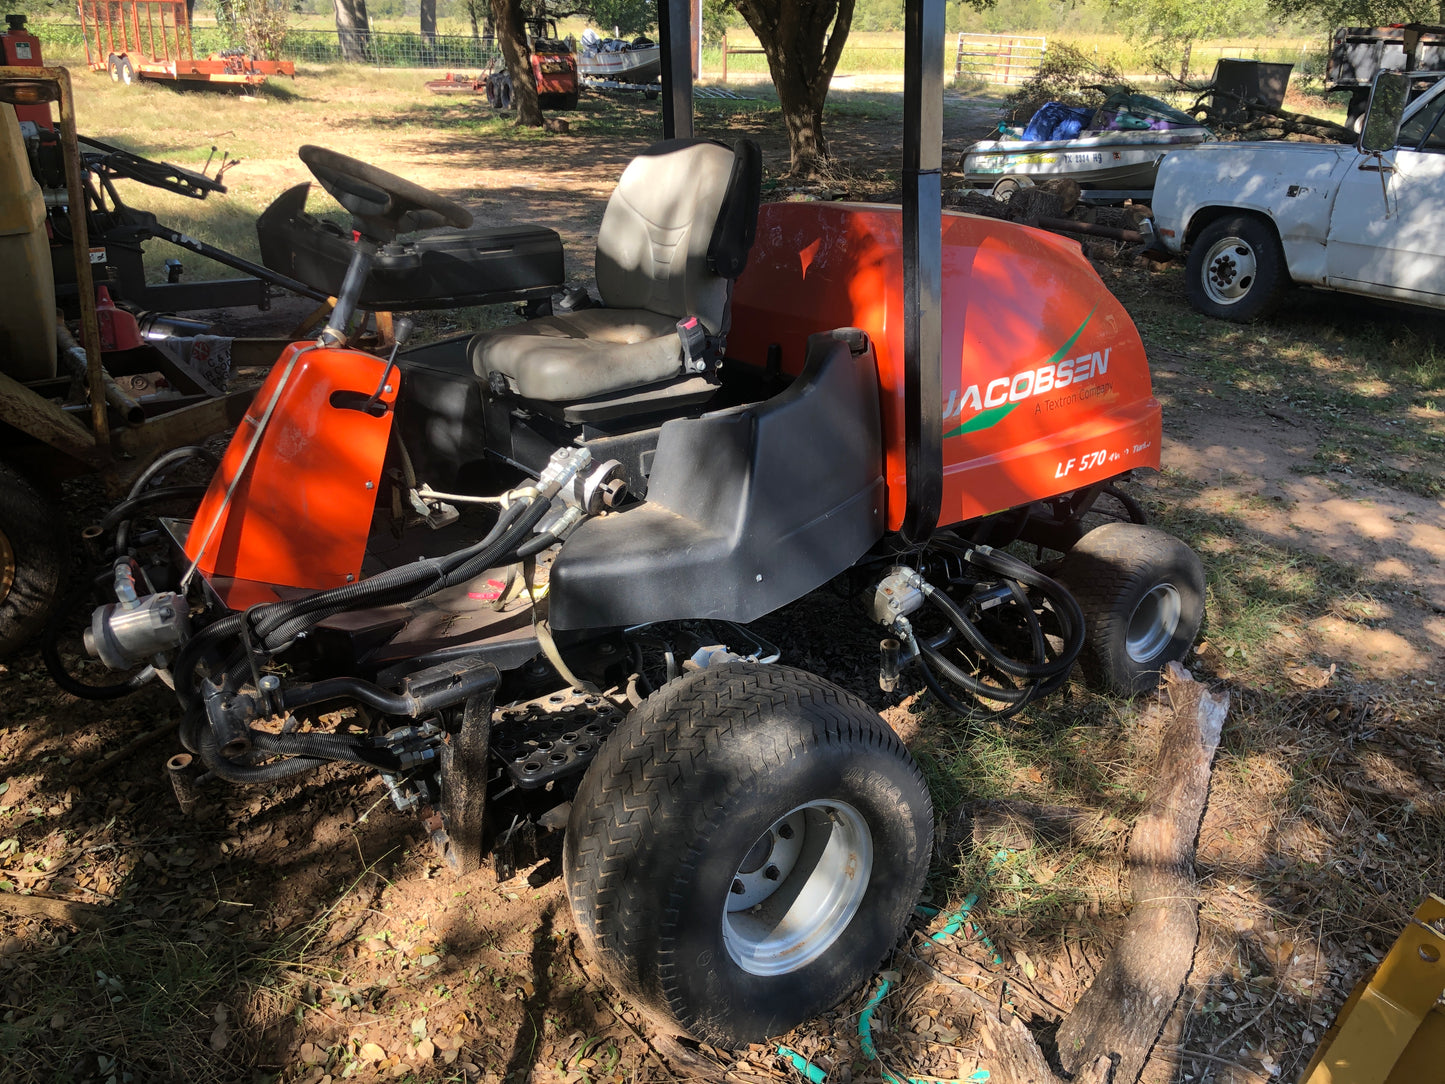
512,37
427,11
352,30
802,40
1184,64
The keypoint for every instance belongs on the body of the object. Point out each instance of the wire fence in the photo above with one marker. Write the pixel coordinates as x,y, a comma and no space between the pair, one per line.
381,50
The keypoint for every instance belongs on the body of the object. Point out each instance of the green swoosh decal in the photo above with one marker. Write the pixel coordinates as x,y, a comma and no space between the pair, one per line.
987,419
984,419
1061,351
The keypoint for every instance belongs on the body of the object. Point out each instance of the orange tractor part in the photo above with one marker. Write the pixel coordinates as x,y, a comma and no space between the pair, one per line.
1046,392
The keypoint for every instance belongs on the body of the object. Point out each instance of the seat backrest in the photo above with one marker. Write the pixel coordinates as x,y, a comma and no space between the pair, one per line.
678,228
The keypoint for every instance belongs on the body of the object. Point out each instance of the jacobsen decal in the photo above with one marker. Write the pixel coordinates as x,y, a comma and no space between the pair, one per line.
991,403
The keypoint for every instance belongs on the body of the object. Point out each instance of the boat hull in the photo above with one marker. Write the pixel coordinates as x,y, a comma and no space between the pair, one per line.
642,65
1112,161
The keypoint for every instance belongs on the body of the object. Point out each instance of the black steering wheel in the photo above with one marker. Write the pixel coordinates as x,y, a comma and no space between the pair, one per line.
382,203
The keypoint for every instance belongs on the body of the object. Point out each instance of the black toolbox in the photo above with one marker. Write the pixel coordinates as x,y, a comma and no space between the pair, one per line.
439,270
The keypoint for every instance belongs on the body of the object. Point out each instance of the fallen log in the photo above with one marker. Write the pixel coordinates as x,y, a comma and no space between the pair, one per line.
1109,1034
1123,1011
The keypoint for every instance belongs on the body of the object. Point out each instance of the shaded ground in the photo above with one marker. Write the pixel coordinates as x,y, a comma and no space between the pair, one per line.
308,931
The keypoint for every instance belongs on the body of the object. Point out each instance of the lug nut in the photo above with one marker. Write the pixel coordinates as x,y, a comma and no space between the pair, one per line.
785,831
738,889
771,873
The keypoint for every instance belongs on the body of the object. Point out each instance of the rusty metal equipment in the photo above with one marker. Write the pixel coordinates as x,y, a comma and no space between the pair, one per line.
151,39
1391,1029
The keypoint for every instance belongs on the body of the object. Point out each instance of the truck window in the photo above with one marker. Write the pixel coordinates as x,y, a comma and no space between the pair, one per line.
1424,131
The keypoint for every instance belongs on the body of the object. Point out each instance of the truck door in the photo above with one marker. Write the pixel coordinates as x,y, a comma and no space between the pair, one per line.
1387,239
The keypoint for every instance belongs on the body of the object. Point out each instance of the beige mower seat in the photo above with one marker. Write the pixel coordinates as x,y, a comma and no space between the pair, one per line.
675,235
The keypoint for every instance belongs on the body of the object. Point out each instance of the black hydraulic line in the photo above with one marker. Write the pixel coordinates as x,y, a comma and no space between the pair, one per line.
335,747
55,665
123,510
175,455
536,545
225,768
269,620
313,610
923,30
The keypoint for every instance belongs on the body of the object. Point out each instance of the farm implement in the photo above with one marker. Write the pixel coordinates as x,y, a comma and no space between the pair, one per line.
151,39
516,573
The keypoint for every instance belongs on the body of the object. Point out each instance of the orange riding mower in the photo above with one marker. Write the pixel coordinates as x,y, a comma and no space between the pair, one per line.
516,573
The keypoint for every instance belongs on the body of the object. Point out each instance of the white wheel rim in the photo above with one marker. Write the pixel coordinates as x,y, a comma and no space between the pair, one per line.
795,892
1230,267
1153,623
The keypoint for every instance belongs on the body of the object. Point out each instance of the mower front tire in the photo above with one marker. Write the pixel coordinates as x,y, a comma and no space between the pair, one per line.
1142,593
745,849
32,549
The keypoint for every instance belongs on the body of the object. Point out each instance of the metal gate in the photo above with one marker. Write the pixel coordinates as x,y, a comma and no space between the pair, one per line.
998,59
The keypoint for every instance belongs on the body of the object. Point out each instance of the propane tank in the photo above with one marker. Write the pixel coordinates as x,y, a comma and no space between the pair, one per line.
21,49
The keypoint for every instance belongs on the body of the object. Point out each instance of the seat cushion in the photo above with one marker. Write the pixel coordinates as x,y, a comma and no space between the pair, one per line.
582,354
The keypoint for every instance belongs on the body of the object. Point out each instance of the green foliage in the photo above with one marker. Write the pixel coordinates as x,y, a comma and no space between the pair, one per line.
1332,13
1067,75
630,17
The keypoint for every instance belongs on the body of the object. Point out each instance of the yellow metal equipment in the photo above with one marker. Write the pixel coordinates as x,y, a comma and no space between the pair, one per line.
1391,1030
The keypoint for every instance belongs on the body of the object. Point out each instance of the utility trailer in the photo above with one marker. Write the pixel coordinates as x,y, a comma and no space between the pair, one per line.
151,39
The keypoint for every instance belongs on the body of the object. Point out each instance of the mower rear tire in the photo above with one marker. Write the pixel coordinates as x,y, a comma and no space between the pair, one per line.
1142,593
32,549
745,849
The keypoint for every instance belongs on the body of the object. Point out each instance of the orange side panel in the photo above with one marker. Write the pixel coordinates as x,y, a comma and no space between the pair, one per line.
300,515
1045,383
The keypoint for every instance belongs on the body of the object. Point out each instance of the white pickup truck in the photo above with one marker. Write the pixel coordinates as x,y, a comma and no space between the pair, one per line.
1366,219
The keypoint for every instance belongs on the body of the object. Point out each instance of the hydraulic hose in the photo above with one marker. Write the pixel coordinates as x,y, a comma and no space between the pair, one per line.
176,455
1040,676
224,768
123,510
55,665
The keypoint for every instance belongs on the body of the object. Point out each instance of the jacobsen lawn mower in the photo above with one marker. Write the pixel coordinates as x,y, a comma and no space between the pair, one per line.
514,573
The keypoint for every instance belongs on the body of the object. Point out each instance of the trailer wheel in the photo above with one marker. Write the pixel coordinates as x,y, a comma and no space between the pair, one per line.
1142,593
127,71
745,849
32,549
112,65
1004,188
1236,269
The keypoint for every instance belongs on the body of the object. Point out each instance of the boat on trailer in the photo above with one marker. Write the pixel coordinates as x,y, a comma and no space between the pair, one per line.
612,60
1113,153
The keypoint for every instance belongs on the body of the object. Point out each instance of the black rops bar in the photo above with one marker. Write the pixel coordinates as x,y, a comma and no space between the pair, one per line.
923,29
674,27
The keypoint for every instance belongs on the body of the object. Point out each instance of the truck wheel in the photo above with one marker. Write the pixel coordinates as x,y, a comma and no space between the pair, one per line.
745,849
1142,593
32,548
1236,269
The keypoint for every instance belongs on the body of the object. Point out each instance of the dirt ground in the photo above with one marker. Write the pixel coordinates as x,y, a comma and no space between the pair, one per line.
308,933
